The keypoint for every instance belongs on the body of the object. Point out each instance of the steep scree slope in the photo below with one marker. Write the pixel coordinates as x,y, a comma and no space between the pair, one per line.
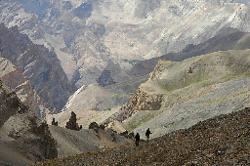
223,140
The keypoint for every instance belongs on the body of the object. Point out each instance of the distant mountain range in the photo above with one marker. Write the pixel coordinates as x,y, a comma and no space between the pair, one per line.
128,65
87,35
91,38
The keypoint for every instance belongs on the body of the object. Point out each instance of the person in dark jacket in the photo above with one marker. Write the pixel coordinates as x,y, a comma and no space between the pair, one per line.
148,132
137,139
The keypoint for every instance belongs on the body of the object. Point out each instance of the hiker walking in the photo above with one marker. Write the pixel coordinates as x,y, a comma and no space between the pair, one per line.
137,139
148,132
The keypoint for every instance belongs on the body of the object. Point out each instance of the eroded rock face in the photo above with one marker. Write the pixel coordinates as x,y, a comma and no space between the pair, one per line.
22,133
9,104
27,136
39,65
144,101
139,102
158,69
44,142
16,81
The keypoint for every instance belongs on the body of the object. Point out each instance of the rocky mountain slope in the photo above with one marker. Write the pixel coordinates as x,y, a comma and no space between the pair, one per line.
180,94
12,77
223,140
131,30
69,142
87,100
39,65
91,104
94,103
8,104
226,39
89,38
23,138
99,43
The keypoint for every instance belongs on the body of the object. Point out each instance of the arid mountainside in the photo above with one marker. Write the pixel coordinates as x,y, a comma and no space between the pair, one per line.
89,38
85,76
94,103
39,65
8,104
226,39
23,138
100,102
180,94
99,43
69,142
14,79
223,140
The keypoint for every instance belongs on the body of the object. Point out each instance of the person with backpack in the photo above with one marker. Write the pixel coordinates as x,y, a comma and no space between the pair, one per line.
148,132
137,139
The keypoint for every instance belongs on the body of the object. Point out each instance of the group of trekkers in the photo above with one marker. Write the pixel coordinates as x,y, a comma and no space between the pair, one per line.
137,137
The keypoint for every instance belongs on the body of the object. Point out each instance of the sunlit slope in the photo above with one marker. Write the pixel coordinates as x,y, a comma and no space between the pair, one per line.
180,94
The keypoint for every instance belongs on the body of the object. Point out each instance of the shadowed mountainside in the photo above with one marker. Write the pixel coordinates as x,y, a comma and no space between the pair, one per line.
39,65
23,138
226,39
14,79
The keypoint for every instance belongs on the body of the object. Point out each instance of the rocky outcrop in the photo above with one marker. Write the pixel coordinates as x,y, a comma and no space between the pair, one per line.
143,101
140,101
9,104
39,65
72,124
22,133
158,69
45,141
14,79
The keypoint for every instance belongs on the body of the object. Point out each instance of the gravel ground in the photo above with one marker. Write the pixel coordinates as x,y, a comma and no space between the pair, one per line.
222,141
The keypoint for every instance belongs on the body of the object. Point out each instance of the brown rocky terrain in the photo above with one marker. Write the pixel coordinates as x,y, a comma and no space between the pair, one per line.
14,78
140,101
70,142
23,137
38,64
9,104
224,141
